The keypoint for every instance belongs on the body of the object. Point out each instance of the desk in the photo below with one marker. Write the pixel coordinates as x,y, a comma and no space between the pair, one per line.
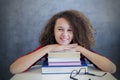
35,74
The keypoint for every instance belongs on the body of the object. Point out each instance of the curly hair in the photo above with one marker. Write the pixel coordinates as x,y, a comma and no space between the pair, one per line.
80,24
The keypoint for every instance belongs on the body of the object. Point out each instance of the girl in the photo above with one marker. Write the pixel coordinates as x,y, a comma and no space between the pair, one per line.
67,30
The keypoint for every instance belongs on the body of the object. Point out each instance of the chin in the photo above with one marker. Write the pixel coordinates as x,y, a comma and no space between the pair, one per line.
64,44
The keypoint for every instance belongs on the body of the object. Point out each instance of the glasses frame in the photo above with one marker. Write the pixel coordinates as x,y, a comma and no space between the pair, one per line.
83,73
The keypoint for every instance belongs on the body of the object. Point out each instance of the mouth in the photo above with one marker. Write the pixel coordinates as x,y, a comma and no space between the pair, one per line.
64,39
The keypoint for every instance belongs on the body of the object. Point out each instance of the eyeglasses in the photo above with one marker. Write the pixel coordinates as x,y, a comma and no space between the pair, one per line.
83,71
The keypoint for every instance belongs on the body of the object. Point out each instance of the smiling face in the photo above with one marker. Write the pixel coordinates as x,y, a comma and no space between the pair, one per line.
63,32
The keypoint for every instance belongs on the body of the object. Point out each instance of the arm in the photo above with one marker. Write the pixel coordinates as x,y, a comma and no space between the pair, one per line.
23,63
100,61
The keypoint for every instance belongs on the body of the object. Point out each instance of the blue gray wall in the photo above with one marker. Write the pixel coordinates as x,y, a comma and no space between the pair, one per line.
21,22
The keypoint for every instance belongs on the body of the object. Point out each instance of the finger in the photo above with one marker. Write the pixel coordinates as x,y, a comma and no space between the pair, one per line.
72,45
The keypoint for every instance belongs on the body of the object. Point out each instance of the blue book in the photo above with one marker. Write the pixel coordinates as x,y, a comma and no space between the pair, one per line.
62,69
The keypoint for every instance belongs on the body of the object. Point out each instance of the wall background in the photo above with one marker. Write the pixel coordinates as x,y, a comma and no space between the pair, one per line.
22,20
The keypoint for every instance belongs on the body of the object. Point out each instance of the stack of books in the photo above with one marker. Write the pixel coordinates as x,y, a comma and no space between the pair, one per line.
62,62
64,58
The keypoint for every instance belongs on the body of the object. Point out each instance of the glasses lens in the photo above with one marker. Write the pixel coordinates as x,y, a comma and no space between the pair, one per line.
74,73
82,71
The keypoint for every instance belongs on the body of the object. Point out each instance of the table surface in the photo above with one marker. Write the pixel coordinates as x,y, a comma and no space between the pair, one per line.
35,74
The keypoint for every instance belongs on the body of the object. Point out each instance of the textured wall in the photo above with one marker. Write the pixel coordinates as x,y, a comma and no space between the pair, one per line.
22,20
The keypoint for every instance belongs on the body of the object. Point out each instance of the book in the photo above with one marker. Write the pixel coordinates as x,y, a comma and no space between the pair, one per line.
64,54
46,69
63,59
62,62
70,63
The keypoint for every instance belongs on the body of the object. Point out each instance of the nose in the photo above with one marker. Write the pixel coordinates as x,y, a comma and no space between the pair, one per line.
65,33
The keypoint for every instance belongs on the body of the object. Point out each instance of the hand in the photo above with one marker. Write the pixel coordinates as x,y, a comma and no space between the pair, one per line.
57,47
79,49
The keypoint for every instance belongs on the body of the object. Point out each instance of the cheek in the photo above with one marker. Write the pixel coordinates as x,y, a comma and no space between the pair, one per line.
71,35
56,34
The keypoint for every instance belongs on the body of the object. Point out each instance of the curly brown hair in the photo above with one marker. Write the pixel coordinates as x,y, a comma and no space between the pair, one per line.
80,24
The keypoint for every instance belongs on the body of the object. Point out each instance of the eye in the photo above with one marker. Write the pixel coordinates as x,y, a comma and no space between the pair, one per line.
60,29
69,30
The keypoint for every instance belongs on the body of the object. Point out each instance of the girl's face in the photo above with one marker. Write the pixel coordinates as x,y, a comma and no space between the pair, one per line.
63,32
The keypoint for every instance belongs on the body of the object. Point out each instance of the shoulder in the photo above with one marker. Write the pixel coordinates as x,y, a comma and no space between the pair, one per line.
39,47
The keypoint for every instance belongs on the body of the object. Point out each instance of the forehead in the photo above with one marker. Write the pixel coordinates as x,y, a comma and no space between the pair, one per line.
62,22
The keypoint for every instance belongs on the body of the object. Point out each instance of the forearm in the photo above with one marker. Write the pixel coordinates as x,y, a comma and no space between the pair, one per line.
26,61
100,61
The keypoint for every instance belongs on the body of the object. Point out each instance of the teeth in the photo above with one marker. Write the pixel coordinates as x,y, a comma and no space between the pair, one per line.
64,39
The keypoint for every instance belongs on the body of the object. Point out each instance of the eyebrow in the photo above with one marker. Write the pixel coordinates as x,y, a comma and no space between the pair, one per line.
59,26
62,27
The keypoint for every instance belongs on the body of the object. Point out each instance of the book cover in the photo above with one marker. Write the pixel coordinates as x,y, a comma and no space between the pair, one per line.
61,69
